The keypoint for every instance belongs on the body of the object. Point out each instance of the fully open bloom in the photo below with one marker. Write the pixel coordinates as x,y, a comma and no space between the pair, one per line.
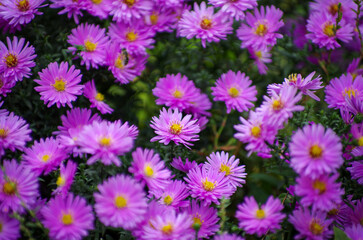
65,178
330,7
71,7
161,19
234,8
260,57
356,171
128,11
96,98
10,227
173,194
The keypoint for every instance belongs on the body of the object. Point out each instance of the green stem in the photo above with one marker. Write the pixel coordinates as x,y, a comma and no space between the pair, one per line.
220,130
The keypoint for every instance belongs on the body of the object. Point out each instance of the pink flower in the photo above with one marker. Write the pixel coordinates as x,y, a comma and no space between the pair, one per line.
226,236
181,166
10,227
96,98
128,11
355,232
260,57
65,178
161,19
234,8
330,7
72,8
174,194
99,8
356,171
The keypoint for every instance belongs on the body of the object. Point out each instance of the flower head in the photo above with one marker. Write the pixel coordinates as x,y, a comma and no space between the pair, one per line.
184,167
235,9
173,194
65,178
355,232
71,7
96,98
10,227
226,236
128,11
260,57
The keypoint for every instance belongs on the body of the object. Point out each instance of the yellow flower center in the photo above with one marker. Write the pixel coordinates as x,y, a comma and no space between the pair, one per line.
233,92
149,172
9,188
90,46
256,131
258,54
60,181
277,105
167,229
208,186
206,24
261,30
67,219
96,1
175,128
178,94
196,220
119,63
154,18
105,142
315,151
360,140
292,78
168,200
11,60
59,84
3,133
1,227
328,29
351,92
45,158
319,185
100,97
260,213
131,36
129,3
226,169
120,202
23,5
333,9
315,228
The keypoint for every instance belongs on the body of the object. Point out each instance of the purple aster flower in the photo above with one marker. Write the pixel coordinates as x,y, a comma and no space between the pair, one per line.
10,227
331,7
18,187
355,212
178,163
176,91
260,57
206,217
105,141
161,19
260,28
44,156
174,194
226,236
129,11
6,84
354,68
65,178
221,162
99,8
315,151
148,168
357,133
16,59
321,28
321,192
235,9
202,23
59,85
67,217
14,132
136,37
71,7
172,126
94,42
199,108
96,98
259,220
235,90
355,232
120,202
208,185
310,225
356,170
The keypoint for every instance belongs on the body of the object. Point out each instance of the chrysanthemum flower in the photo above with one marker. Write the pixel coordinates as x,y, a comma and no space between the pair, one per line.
206,217
226,236
94,41
176,91
356,171
178,163
105,141
208,185
260,57
234,9
321,28
121,202
59,85
96,98
128,11
355,212
71,7
235,90
161,19
99,8
44,156
172,126
202,23
16,59
199,108
310,225
321,193
10,227
67,217
331,7
148,168
18,187
14,132
315,151
173,194
260,28
355,232
65,178
6,84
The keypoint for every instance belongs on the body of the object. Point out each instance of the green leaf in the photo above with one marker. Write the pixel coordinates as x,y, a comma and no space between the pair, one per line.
339,234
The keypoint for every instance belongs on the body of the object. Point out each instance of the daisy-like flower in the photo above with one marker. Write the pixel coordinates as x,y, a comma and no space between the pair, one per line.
310,225
321,193
174,194
227,236
255,219
148,168
96,98
10,227
172,126
356,171
234,9
18,187
204,24
205,217
260,57
99,8
120,202
94,42
6,84
331,7
221,162
315,151
357,133
178,163
14,132
59,85
200,106
161,19
128,11
235,90
44,156
260,28
16,59
72,8
208,185
322,30
105,141
67,217
176,91
65,178
19,12
355,232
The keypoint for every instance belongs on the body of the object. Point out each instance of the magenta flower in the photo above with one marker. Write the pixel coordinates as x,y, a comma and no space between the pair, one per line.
10,227
315,151
235,90
235,9
199,108
172,126
226,236
355,212
202,23
128,11
356,171
208,185
148,168
330,7
260,57
65,178
59,85
18,187
16,59
105,141
120,202
161,19
99,8
173,194
178,163
255,219
67,217
72,8
96,98
6,84
260,28
355,232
